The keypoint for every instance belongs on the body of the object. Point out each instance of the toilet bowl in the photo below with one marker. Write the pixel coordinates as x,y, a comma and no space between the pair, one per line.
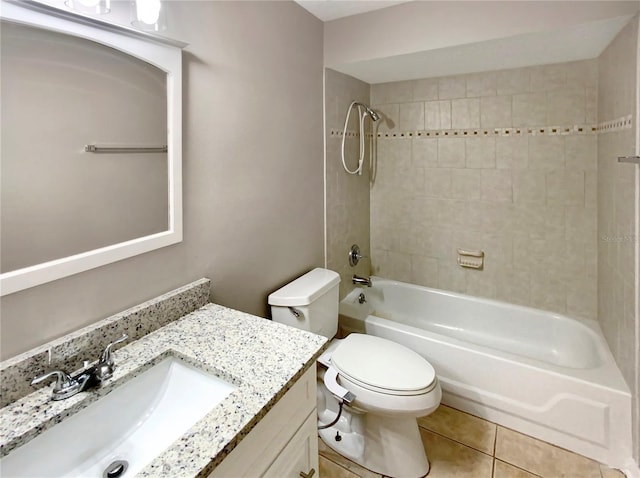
370,390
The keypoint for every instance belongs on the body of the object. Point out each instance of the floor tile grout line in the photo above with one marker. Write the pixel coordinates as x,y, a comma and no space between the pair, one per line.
344,467
518,467
455,441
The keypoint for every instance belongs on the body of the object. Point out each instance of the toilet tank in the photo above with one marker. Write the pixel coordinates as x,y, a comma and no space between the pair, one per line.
313,297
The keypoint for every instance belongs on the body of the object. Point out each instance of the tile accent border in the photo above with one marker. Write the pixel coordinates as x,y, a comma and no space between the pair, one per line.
618,124
486,132
68,352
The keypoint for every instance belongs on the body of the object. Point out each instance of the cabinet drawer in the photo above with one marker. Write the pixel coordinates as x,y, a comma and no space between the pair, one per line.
300,456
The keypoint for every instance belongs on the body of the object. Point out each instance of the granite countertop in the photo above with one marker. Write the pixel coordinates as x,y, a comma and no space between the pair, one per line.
262,358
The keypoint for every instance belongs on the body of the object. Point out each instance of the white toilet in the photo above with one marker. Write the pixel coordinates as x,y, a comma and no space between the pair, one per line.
381,386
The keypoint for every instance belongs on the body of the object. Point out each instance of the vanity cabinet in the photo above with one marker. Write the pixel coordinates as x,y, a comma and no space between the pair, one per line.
284,443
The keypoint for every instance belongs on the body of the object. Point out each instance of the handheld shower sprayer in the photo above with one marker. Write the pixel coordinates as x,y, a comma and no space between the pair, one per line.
363,112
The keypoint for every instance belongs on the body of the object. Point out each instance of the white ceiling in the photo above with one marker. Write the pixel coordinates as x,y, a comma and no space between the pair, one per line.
429,38
580,42
327,10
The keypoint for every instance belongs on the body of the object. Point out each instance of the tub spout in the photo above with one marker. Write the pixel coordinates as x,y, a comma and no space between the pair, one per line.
362,280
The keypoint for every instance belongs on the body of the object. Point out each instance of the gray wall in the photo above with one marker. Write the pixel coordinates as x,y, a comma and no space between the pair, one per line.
252,175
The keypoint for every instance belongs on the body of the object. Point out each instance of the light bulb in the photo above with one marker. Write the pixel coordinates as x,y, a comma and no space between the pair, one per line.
98,7
148,11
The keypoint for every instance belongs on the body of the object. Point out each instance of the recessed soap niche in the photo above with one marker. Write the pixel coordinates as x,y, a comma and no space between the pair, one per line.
471,259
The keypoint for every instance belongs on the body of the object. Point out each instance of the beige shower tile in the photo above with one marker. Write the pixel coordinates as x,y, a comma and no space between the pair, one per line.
565,188
461,427
547,77
437,114
582,73
480,284
411,116
591,108
425,89
529,109
437,183
496,185
548,292
424,271
581,225
481,153
449,459
466,184
481,84
546,152
581,152
432,115
465,113
505,470
445,114
451,276
542,458
510,82
389,117
337,461
529,186
512,152
582,297
392,92
452,87
451,153
566,106
495,112
424,152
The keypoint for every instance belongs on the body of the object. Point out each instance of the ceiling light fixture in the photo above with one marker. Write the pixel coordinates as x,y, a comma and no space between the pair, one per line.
96,7
148,15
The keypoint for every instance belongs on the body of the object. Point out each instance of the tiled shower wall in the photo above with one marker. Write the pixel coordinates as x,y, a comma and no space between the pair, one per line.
618,210
504,162
347,196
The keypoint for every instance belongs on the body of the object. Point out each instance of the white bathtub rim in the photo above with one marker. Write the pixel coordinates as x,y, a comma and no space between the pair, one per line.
608,371
592,324
607,376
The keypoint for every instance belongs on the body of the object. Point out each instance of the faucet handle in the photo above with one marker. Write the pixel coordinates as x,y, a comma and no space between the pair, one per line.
106,354
355,256
63,380
103,369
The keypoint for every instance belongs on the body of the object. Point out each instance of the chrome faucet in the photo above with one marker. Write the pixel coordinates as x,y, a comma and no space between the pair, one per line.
357,280
92,374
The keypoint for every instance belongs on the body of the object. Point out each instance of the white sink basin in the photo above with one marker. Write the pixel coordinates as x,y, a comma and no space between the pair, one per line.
134,423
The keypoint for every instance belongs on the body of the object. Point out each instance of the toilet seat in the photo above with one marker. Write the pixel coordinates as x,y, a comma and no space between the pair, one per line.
382,366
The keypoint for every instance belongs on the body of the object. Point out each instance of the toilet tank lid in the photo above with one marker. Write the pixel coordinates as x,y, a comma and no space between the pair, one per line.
305,289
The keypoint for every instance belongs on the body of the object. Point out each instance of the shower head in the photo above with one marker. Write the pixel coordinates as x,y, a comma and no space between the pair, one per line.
372,114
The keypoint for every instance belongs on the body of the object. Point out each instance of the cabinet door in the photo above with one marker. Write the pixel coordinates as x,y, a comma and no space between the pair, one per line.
300,457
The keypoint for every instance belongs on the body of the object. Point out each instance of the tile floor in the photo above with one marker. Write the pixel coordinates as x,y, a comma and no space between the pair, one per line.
460,445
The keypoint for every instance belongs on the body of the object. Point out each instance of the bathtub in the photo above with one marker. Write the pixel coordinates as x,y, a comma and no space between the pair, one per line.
540,373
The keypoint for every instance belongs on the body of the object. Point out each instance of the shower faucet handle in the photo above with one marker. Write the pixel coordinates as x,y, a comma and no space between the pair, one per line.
355,255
